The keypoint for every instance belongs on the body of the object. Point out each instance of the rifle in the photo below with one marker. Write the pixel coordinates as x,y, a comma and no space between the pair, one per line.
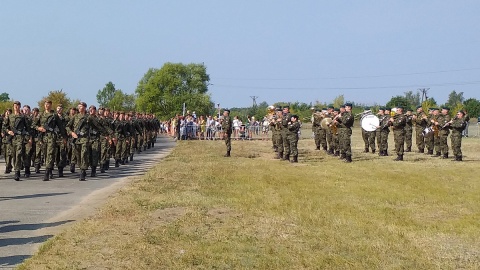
78,130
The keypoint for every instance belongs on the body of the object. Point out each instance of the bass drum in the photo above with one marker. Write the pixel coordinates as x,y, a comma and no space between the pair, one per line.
369,122
326,122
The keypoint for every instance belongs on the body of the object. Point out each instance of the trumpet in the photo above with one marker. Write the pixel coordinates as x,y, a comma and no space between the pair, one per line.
449,123
362,114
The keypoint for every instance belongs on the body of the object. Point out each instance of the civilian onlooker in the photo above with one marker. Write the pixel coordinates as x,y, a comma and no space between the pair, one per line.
236,127
467,120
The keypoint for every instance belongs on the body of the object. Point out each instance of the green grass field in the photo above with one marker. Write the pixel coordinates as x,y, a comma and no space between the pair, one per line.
198,210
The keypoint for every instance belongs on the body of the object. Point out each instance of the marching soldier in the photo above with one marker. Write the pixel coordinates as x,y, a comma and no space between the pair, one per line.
328,131
458,124
119,130
61,145
293,129
398,123
227,128
30,143
7,144
79,128
37,141
408,130
420,120
46,125
335,146
317,128
16,127
276,126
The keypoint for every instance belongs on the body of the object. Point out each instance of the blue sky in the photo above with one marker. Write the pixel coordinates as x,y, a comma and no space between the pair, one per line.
303,51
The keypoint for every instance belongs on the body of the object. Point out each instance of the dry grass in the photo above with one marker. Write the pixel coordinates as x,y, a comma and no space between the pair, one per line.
198,210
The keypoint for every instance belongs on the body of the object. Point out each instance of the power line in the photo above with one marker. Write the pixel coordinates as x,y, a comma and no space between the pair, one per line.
350,88
350,77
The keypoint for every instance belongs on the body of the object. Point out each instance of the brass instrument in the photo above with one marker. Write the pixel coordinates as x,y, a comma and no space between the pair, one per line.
334,128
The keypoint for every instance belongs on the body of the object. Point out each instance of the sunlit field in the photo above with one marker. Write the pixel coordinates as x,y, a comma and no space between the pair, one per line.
199,210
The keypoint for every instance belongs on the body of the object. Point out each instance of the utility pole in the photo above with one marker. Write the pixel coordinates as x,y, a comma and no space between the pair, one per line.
254,98
424,92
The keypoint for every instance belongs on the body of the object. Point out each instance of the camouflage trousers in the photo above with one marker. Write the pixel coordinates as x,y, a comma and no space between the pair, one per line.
399,139
378,135
443,141
29,154
18,149
104,150
38,154
368,139
82,151
345,140
408,137
328,135
95,150
320,138
49,146
293,139
335,146
436,143
277,141
429,141
419,138
228,141
384,140
60,154
119,148
456,139
285,141
7,154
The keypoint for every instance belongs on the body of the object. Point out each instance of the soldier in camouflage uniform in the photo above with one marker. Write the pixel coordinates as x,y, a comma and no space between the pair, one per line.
29,142
408,130
227,131
37,141
286,143
276,126
378,131
429,137
7,144
345,122
398,123
16,126
46,125
72,158
384,132
436,132
328,131
420,120
293,129
317,128
457,124
335,146
79,128
444,131
119,130
61,145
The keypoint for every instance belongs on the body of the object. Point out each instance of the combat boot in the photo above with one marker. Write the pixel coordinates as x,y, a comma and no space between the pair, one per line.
93,173
317,148
348,158
83,174
102,168
399,158
286,157
51,173
46,177
438,154
27,172
107,165
343,156
366,150
37,168
122,161
421,151
430,152
227,154
373,151
16,177
125,160
60,172
117,163
330,152
409,149
295,159
72,168
325,149
279,155
337,154
445,156
459,158
131,157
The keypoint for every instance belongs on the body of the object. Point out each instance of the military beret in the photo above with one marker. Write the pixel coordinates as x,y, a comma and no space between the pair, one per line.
317,110
331,107
420,106
400,107
226,110
83,104
336,109
295,116
286,107
381,109
446,108
409,110
342,106
16,102
324,109
462,112
388,109
436,109
349,104
278,109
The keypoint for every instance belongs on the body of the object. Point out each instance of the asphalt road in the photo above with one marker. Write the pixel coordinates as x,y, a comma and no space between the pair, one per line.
32,211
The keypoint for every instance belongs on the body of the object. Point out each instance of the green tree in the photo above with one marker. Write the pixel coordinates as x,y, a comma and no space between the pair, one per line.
122,102
163,91
412,99
338,101
57,97
472,106
4,97
398,101
454,99
105,95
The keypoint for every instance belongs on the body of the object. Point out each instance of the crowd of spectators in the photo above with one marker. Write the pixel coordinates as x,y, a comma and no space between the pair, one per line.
193,127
